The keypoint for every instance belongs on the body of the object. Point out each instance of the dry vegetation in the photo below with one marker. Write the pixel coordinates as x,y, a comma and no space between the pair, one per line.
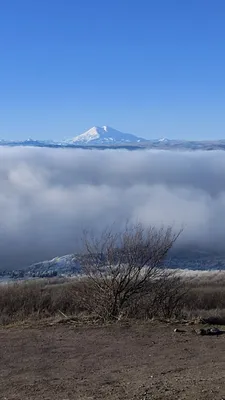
170,298
123,278
206,298
54,355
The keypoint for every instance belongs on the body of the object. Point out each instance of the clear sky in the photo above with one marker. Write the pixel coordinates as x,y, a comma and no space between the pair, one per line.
150,67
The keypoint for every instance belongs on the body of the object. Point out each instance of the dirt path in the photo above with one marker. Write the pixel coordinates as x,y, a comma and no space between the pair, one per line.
138,362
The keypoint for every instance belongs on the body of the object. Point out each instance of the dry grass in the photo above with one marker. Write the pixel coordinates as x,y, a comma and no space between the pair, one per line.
78,297
38,299
202,298
205,297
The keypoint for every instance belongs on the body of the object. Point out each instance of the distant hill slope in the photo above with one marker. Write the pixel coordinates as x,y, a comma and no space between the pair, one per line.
69,265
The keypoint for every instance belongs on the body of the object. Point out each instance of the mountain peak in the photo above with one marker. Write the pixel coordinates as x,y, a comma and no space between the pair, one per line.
105,135
163,139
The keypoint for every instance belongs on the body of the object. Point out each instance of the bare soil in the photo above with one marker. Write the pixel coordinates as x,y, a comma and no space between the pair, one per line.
137,362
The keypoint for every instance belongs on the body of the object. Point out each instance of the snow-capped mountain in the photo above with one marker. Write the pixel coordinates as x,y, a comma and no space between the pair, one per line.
105,135
70,266
63,264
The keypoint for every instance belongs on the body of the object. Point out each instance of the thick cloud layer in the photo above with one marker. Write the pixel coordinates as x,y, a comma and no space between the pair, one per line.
49,195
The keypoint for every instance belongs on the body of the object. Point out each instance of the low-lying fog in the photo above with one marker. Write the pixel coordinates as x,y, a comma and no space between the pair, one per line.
48,196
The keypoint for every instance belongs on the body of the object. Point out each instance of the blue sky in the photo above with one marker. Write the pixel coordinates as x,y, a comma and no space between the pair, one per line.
154,68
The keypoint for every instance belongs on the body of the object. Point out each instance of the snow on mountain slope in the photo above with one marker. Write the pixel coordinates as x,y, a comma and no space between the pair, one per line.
62,265
69,264
105,135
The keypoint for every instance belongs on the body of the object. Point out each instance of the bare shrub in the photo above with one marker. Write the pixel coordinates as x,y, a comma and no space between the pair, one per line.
126,268
163,298
169,296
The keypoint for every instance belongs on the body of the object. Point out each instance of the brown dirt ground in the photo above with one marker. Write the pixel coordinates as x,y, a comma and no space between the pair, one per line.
145,361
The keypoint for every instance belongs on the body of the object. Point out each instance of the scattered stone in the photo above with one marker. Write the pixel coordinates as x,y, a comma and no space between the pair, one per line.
209,331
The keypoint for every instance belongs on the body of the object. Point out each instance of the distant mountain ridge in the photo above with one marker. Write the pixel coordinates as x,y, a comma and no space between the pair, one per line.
68,265
106,137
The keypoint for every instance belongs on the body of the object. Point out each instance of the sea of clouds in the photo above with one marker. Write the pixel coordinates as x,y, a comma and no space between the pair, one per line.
48,196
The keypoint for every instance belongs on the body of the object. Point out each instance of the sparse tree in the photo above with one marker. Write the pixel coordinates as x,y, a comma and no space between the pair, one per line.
122,266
